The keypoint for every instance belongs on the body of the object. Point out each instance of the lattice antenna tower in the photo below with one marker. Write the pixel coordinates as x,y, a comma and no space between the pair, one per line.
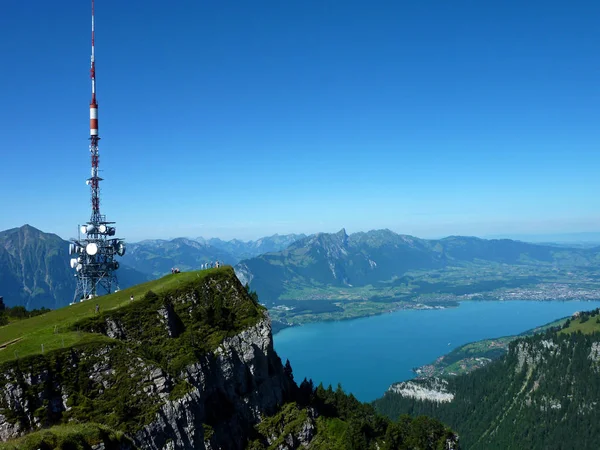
93,256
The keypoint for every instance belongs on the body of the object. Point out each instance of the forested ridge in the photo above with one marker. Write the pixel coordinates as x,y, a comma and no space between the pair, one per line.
544,394
338,421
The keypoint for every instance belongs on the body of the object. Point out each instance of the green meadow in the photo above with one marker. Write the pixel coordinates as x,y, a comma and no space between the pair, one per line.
57,329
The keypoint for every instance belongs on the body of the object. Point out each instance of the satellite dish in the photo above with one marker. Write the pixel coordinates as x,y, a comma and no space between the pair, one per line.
83,229
91,248
102,229
71,249
121,249
116,265
73,262
87,182
78,267
112,231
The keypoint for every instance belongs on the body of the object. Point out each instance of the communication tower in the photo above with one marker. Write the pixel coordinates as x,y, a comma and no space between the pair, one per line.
92,257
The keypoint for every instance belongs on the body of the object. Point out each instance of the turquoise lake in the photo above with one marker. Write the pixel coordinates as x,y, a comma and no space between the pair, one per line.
367,355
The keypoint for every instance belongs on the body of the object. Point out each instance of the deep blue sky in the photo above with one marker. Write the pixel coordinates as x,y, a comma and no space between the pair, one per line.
242,119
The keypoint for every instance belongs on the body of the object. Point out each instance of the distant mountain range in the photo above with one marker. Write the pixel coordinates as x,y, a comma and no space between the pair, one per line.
578,240
157,257
239,250
34,268
318,266
35,271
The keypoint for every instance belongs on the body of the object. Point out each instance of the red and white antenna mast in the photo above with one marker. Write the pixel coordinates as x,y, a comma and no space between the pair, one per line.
93,257
94,180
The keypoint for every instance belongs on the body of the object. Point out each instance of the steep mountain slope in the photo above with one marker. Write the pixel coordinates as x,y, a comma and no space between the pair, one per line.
249,249
35,272
189,367
34,268
543,394
157,257
383,259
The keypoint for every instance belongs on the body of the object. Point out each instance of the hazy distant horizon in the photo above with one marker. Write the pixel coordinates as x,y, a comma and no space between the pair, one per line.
572,237
586,236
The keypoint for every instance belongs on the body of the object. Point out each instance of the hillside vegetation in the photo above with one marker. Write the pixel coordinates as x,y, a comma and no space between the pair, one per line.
543,394
61,328
75,437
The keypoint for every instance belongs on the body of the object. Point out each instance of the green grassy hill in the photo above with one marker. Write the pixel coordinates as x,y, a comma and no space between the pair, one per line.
586,322
58,328
73,436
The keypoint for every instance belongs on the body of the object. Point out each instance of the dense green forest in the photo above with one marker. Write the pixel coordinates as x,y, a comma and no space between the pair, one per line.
343,423
543,394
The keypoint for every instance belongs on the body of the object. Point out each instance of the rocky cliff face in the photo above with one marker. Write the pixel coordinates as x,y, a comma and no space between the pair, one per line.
229,391
183,395
433,390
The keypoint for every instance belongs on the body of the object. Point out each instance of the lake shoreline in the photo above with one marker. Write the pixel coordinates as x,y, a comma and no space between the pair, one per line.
280,325
369,355
419,307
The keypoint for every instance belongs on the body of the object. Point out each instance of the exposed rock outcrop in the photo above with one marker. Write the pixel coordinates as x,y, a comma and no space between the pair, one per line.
434,390
229,390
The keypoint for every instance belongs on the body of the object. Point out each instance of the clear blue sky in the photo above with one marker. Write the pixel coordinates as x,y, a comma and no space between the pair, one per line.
242,119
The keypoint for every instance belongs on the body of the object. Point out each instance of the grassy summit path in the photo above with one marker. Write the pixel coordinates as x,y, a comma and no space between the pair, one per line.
54,329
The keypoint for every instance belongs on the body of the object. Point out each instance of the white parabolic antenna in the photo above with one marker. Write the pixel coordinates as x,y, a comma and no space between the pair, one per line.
91,248
102,228
73,262
83,229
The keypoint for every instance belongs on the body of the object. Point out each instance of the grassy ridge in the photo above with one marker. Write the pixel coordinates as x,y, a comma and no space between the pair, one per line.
54,330
172,322
69,436
588,322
